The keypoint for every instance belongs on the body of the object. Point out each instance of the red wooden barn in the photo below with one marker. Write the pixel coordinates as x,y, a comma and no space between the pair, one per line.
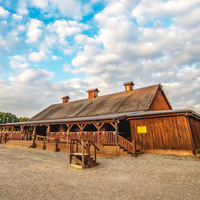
143,115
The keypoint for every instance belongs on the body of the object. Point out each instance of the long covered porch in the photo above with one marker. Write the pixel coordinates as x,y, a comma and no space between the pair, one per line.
101,130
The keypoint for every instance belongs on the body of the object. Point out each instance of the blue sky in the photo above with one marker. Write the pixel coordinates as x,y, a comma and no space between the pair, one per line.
54,48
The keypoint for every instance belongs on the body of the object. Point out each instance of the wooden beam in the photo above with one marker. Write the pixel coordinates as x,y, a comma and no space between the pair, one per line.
80,127
96,126
101,126
112,124
69,126
84,126
116,131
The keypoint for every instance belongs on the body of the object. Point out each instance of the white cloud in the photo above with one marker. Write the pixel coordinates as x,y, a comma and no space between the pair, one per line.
37,56
68,28
3,13
39,3
22,8
34,31
124,50
31,76
17,17
68,8
191,19
18,61
56,58
66,67
148,42
146,11
71,8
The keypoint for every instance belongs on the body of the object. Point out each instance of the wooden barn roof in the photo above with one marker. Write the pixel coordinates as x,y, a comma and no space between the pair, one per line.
129,115
122,102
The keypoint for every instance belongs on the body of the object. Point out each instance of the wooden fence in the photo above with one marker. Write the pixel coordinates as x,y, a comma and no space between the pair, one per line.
100,138
13,135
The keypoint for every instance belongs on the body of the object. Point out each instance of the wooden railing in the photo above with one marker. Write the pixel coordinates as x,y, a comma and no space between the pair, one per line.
45,139
126,145
100,138
12,135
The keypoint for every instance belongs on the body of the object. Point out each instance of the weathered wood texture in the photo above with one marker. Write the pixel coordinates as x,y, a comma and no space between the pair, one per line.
160,102
195,131
162,133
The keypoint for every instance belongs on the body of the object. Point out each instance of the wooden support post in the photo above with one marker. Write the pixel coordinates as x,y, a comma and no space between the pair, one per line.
134,147
88,151
1,137
22,132
44,145
56,146
70,151
83,156
98,127
76,146
12,130
5,139
95,155
72,146
34,138
69,126
116,131
48,128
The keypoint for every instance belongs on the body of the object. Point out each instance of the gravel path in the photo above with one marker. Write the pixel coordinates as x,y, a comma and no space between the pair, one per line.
37,174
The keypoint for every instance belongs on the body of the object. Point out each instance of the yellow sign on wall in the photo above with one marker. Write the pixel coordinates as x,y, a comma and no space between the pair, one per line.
142,129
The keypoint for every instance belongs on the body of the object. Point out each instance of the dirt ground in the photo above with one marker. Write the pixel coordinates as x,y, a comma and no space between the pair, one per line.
38,174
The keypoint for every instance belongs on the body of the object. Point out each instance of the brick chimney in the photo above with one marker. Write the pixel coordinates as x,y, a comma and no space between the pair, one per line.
93,93
65,99
128,86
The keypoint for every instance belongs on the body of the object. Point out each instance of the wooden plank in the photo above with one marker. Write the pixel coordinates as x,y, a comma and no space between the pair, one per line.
83,157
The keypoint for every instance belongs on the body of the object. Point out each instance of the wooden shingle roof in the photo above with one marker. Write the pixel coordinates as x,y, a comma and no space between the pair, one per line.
122,102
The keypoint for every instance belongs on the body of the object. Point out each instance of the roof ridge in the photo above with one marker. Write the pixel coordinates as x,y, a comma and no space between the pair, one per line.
108,94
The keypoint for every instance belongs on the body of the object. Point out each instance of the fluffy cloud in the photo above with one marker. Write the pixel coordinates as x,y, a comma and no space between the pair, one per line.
31,76
147,42
3,13
18,62
66,67
68,8
65,28
34,31
37,56
136,46
17,17
22,8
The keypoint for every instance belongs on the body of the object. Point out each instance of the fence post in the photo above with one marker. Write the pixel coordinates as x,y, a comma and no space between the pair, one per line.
56,147
33,144
83,156
134,147
6,135
44,146
116,131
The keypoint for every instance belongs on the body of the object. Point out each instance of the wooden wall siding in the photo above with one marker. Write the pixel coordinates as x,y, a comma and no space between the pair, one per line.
195,130
162,133
160,102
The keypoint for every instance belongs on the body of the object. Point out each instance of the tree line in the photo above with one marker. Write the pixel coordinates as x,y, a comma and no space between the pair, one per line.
11,118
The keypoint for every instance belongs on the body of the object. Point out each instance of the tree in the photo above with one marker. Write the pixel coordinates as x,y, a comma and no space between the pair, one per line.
23,119
10,118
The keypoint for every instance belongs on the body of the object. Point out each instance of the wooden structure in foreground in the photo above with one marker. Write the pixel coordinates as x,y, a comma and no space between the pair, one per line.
83,159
